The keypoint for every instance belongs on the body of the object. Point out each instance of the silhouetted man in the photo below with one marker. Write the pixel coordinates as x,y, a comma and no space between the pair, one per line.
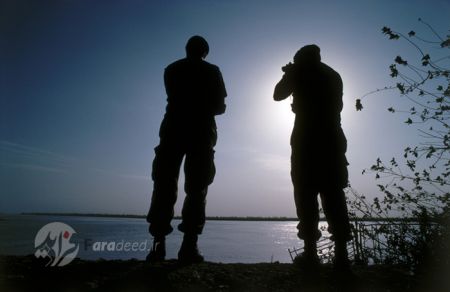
318,162
195,95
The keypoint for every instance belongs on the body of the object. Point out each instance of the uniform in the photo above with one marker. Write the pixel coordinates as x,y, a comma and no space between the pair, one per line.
195,94
318,161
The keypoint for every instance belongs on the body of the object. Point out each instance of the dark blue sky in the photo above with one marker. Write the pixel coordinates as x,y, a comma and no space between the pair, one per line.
82,95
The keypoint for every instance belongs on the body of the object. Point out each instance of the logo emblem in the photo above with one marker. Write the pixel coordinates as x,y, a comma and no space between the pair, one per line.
53,242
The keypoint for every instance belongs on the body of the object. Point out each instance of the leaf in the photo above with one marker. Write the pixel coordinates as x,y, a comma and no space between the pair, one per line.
386,30
358,105
400,61
401,87
393,162
447,91
393,36
426,61
394,71
445,43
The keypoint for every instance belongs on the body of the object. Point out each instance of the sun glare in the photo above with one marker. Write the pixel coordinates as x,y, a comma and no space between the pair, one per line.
278,113
283,114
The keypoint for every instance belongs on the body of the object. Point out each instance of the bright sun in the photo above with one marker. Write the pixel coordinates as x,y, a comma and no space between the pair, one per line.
278,112
284,112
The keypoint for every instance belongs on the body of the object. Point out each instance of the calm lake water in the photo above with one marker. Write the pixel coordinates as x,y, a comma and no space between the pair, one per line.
221,241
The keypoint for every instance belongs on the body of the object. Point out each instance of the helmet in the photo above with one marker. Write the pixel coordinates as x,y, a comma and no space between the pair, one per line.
308,54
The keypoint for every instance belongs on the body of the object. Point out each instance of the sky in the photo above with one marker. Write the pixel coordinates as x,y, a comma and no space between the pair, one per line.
82,96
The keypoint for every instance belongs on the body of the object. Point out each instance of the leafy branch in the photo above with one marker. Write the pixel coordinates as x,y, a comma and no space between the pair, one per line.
416,185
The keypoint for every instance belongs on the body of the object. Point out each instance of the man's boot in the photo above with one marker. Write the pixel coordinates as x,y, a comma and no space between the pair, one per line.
341,261
189,253
158,251
309,258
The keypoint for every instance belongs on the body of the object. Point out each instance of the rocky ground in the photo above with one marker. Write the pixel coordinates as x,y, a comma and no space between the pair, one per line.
28,274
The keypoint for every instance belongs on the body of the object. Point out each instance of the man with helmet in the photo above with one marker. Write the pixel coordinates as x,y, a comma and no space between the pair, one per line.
318,161
195,95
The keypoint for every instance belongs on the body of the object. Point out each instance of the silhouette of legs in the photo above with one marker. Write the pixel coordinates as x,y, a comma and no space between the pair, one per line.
305,195
335,209
165,173
327,177
307,211
199,172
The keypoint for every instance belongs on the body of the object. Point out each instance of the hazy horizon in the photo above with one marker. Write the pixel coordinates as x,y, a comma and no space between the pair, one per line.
82,96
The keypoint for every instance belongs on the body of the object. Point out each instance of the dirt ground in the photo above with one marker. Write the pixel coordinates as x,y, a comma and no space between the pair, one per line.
25,273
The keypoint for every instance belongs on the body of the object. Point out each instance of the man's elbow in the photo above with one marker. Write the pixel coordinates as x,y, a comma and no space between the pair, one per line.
220,110
278,96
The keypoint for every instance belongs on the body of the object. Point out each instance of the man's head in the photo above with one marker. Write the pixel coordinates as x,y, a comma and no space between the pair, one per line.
309,54
197,47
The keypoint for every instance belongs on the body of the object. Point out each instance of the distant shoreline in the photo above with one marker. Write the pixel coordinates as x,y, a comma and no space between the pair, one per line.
211,218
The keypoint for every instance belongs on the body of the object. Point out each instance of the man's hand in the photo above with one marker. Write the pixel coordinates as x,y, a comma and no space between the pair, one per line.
288,68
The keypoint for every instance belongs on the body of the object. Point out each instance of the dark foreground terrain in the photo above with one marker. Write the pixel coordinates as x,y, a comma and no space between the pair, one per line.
27,274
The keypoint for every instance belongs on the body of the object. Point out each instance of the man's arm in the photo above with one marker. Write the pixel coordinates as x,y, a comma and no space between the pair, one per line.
168,83
283,89
220,106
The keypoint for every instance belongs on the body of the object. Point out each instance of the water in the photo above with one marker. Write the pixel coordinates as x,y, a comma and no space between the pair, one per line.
221,241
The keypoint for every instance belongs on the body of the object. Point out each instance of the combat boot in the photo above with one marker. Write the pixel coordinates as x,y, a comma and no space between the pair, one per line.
158,251
309,258
189,253
341,261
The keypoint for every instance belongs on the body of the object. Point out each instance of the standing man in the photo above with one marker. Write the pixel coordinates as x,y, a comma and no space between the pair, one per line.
318,162
195,95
